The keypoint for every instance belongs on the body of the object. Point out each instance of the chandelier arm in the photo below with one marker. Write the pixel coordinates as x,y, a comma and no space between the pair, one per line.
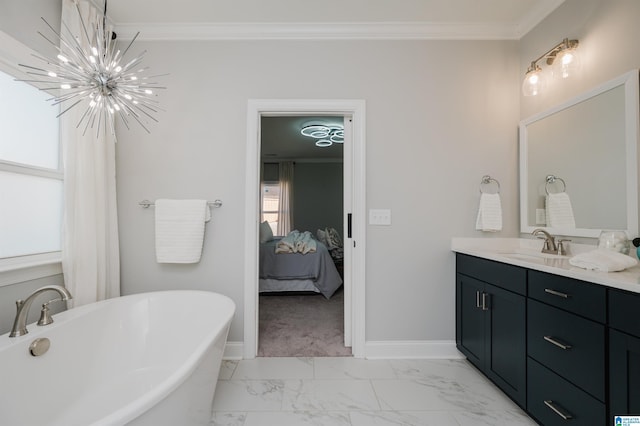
76,103
130,44
136,117
84,27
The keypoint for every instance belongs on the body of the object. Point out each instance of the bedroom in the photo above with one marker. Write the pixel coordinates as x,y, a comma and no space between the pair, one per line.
310,172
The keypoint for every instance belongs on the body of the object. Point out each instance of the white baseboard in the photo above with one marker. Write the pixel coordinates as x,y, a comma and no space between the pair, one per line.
233,351
396,349
438,349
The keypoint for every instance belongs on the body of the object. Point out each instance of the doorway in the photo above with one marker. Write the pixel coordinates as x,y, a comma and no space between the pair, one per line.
302,197
353,217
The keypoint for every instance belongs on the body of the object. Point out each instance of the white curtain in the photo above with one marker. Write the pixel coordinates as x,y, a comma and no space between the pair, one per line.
90,254
285,206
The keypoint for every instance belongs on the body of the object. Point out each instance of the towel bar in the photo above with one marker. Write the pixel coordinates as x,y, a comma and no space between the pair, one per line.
146,203
486,179
551,179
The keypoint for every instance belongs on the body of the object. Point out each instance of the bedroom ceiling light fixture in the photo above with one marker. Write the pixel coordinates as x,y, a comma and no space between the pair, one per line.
90,69
326,134
565,60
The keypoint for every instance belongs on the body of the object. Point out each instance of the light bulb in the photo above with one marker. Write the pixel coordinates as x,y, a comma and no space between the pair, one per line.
62,58
533,82
566,64
65,86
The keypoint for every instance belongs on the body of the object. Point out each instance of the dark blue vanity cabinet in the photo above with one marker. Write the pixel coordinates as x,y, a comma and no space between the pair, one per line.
565,350
491,321
624,353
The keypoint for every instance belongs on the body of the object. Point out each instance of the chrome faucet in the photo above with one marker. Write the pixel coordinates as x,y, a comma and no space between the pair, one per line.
22,308
549,245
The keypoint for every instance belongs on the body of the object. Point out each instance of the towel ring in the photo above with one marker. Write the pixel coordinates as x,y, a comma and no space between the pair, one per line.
487,180
551,179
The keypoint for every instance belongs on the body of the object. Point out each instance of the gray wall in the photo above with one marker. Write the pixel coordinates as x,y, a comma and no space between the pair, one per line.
440,115
21,20
432,131
317,196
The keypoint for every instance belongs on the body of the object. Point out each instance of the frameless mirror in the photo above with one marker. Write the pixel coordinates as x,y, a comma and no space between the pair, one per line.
588,149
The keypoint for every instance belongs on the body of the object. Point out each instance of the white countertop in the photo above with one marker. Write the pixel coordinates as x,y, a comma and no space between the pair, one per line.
527,254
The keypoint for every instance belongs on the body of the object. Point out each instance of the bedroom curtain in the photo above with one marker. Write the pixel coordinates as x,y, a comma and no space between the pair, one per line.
285,205
90,253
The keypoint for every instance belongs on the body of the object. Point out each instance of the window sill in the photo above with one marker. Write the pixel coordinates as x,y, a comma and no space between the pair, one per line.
25,268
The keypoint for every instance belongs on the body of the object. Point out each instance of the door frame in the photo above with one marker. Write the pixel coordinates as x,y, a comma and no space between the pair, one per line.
354,246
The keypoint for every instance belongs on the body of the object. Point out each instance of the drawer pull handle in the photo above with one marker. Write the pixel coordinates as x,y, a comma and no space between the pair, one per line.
556,293
478,299
484,302
558,344
557,410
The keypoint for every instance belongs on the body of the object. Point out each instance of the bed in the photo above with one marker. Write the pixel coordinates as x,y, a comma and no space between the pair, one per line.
286,272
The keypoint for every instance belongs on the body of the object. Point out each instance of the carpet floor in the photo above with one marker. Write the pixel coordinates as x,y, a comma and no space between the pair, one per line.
301,326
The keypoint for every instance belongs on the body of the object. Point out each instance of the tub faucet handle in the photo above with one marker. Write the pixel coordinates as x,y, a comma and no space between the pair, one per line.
22,309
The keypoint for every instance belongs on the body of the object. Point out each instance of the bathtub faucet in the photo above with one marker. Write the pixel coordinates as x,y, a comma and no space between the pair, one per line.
22,306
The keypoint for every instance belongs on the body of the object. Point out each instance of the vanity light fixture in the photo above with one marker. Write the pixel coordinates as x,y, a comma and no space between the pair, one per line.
564,59
326,134
91,69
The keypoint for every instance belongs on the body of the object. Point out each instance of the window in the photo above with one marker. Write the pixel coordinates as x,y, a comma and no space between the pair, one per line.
270,199
31,178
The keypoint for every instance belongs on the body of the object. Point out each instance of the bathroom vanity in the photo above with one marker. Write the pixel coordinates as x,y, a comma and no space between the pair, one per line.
560,341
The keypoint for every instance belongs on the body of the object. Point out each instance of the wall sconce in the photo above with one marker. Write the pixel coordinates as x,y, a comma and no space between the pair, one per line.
564,59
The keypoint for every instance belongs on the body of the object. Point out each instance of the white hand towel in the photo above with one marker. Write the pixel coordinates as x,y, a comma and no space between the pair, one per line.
180,230
559,211
603,261
489,213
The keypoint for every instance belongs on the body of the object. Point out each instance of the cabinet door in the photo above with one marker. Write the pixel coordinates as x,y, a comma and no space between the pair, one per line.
624,374
505,350
470,338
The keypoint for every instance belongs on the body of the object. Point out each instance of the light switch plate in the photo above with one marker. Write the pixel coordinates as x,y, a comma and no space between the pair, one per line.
379,217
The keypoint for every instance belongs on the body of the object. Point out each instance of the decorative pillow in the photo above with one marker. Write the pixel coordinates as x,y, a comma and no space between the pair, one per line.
265,232
322,236
333,238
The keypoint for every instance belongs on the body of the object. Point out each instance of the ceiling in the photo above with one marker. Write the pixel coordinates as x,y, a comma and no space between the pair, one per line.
281,138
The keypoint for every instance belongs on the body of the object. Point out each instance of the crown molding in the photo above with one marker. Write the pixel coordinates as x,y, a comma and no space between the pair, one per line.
318,31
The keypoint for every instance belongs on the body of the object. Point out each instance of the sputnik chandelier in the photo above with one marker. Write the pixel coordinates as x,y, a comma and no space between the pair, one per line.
326,134
90,69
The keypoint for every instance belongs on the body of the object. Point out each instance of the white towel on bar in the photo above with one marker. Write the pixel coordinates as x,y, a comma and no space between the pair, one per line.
559,211
603,261
180,230
489,213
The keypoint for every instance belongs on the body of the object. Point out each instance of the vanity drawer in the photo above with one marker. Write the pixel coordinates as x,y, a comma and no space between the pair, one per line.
548,392
571,346
623,311
580,297
509,277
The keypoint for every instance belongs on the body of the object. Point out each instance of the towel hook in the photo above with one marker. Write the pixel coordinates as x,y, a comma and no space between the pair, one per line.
487,180
551,179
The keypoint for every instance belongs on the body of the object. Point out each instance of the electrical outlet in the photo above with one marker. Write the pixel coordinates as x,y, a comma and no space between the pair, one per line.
541,217
379,217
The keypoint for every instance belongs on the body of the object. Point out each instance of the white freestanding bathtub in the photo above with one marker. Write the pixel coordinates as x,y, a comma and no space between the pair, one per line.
145,359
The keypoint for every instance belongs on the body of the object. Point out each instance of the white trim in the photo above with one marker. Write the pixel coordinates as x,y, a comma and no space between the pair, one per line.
19,269
255,109
233,351
435,349
334,30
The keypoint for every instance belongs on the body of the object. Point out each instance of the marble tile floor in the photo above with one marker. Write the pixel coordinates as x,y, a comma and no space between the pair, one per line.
355,392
